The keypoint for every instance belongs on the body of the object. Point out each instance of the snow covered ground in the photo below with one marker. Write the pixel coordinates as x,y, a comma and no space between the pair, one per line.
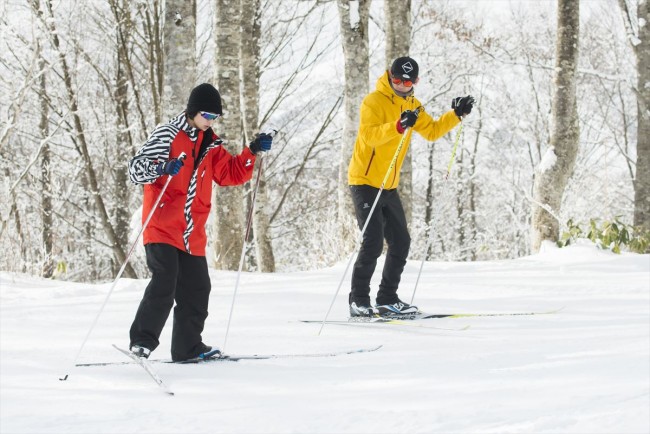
585,369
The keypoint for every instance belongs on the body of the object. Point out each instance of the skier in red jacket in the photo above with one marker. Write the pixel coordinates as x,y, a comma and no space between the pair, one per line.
175,237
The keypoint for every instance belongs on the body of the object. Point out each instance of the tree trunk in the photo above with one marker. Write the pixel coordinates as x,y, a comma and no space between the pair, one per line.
251,26
47,269
472,190
430,201
228,201
180,58
123,139
124,27
398,44
639,37
642,178
353,18
459,222
553,172
152,26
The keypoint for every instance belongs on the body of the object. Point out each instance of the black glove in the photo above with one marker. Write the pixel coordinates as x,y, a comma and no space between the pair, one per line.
407,119
462,105
261,143
171,167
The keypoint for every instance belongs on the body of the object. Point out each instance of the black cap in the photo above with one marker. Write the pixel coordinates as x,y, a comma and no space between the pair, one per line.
204,98
405,67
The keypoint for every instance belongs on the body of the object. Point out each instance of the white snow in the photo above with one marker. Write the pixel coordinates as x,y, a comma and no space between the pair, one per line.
355,16
548,160
585,369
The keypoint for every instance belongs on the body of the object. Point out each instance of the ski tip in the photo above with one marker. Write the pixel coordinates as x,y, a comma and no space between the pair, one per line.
65,377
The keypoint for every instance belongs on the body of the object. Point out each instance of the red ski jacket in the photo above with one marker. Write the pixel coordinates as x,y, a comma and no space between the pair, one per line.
179,219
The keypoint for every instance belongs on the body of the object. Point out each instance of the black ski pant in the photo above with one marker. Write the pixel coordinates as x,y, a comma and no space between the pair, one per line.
179,276
387,222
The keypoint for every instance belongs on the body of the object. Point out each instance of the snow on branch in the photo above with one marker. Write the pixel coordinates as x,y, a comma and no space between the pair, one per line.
548,160
632,22
355,15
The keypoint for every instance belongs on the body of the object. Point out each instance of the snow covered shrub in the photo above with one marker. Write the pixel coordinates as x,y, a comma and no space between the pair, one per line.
610,234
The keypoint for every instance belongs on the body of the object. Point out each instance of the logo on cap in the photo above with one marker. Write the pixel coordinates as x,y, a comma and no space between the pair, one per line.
407,67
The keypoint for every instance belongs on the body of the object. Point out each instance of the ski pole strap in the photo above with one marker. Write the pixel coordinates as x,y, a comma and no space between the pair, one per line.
453,152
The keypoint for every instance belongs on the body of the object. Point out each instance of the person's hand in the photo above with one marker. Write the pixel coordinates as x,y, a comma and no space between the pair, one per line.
462,105
407,119
262,143
171,167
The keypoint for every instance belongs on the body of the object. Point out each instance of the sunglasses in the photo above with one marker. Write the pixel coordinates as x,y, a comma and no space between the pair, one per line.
209,116
407,83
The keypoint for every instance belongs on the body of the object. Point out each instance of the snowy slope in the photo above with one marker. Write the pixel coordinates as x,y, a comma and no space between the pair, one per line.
585,369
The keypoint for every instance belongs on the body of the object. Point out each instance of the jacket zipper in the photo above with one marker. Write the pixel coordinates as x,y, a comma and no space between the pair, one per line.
370,162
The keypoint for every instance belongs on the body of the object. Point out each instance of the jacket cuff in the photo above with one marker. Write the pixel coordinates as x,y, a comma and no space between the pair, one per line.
399,127
248,153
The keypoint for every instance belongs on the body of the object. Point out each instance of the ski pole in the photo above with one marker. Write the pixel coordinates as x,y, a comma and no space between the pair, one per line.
430,238
249,220
365,225
126,261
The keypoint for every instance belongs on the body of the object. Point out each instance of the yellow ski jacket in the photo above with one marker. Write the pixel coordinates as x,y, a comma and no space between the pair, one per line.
378,138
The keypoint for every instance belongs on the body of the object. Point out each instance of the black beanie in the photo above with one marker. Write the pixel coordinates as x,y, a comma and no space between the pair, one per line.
204,98
405,67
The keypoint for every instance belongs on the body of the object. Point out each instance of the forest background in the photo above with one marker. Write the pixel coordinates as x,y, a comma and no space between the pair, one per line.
83,82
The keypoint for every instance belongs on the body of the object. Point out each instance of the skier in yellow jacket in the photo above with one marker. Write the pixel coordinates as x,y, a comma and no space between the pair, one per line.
386,114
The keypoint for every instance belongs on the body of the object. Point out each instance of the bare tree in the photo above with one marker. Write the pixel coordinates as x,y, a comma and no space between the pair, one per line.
353,18
121,186
398,43
636,23
125,36
250,49
151,12
467,192
46,179
80,135
180,58
229,221
556,167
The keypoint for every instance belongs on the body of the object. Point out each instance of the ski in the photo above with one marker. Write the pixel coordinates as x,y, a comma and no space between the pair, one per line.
147,367
412,318
383,320
236,358
469,315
